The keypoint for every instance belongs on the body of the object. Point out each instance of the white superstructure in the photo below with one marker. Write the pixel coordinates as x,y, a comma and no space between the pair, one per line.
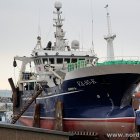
53,62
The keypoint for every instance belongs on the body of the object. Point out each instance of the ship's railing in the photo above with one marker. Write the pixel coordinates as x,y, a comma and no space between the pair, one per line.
82,52
71,50
130,60
79,64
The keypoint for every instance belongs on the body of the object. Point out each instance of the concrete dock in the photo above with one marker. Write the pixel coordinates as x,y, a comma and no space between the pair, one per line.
15,132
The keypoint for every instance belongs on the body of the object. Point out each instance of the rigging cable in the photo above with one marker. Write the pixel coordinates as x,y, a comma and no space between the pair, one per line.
92,24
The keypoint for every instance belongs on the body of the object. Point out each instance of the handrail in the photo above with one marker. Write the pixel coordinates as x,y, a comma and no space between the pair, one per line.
119,62
136,58
72,50
79,64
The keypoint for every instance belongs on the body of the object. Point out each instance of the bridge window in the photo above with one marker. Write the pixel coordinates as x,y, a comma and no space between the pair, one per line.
37,61
67,60
81,59
51,60
74,60
28,86
45,61
59,60
91,60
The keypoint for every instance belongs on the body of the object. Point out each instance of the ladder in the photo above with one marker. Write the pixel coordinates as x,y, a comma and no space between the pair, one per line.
16,117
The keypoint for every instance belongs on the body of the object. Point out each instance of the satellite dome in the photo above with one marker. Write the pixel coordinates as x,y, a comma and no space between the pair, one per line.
58,5
75,44
38,38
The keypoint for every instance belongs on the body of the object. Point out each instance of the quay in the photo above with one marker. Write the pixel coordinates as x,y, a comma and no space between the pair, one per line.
16,132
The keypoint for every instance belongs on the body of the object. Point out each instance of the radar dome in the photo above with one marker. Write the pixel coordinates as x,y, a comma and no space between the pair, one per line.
75,44
58,5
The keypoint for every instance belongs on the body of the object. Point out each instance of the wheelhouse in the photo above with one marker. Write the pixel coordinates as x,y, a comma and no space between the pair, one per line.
59,62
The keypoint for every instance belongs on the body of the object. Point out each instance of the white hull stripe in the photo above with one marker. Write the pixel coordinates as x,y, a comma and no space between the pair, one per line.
51,96
52,118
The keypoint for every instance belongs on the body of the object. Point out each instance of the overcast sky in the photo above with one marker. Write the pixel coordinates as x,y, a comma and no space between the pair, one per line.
19,20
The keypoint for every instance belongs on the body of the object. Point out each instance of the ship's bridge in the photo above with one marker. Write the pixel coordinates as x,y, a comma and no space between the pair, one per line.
59,60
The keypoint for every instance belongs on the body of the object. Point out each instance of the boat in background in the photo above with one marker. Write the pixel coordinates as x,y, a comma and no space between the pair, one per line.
6,111
79,94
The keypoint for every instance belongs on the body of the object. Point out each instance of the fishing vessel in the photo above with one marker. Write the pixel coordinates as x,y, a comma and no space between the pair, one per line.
79,94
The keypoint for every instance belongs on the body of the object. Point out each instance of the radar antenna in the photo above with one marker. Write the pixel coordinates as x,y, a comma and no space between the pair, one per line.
109,38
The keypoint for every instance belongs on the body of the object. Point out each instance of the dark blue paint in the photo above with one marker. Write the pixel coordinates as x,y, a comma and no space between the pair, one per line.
86,104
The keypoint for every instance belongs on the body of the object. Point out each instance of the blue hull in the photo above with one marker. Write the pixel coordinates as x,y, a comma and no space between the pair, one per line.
92,97
99,104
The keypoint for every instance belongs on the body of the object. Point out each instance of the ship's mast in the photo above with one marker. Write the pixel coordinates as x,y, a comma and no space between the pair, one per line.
59,34
38,45
109,38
